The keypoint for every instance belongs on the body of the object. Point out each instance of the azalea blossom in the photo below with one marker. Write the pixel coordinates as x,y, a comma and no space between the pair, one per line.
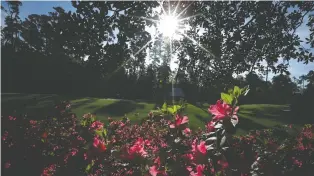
7,165
33,122
157,161
74,151
210,126
12,118
199,171
5,136
99,144
137,149
97,125
85,156
223,164
202,148
179,121
49,170
154,172
221,110
187,131
297,162
44,135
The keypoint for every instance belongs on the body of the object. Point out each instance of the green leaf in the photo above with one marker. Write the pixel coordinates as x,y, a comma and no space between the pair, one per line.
226,98
43,140
236,91
175,109
230,91
83,123
171,110
164,107
219,173
89,166
105,132
99,132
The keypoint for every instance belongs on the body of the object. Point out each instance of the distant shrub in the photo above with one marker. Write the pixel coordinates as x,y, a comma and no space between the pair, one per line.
161,145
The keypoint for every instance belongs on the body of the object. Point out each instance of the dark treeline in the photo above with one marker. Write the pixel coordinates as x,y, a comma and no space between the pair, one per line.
96,50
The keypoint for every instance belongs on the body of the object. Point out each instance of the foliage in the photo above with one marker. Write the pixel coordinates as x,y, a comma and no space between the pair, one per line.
100,44
161,145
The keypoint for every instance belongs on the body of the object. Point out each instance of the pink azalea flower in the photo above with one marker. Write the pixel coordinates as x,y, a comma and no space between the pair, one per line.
154,172
99,144
56,148
157,161
220,110
210,126
5,136
189,156
74,151
44,135
12,118
96,141
7,165
97,125
33,122
199,170
223,164
49,170
194,146
179,121
147,142
187,131
297,162
80,138
202,148
137,148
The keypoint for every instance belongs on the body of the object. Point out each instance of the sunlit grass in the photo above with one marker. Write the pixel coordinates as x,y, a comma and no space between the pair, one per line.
251,117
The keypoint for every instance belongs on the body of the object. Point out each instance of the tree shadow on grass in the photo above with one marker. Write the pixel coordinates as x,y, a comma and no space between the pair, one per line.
201,106
247,125
205,120
119,108
82,103
279,116
34,106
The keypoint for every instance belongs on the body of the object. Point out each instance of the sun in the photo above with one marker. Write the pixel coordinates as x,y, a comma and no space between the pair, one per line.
168,25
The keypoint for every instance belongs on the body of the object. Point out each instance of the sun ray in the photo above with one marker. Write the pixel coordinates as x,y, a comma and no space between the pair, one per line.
126,61
171,28
199,45
183,10
187,18
162,7
175,9
180,45
149,19
169,7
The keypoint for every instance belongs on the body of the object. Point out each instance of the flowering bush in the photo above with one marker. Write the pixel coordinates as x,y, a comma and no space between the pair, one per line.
162,144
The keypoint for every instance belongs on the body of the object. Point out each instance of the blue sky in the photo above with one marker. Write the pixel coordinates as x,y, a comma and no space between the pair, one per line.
43,7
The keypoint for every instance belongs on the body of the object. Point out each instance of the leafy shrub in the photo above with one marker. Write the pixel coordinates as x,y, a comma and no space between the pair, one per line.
160,145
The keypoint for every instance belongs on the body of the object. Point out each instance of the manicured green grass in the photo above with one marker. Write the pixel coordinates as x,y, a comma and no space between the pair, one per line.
260,116
38,106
